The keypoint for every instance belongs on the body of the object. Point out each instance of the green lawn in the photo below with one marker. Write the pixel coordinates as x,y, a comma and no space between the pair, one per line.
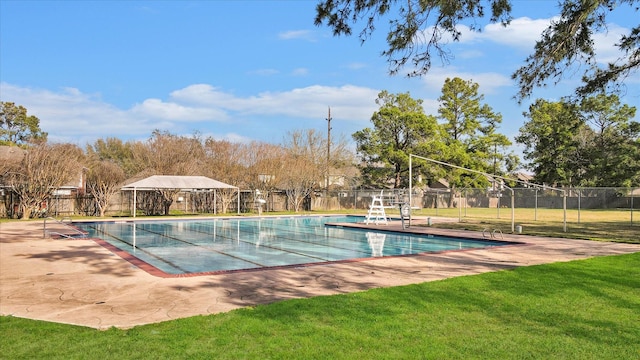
602,225
588,309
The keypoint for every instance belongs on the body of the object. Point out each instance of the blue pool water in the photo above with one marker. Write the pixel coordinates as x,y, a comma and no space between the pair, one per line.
195,246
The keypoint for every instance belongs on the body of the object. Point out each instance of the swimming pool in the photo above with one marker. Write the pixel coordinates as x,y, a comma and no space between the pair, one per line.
212,245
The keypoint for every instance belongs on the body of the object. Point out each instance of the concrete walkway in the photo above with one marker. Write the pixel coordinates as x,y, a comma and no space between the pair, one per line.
80,282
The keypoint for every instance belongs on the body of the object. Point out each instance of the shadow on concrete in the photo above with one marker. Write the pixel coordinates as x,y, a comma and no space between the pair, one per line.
96,259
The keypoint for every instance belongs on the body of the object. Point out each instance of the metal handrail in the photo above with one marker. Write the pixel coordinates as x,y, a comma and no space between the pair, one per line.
492,233
74,230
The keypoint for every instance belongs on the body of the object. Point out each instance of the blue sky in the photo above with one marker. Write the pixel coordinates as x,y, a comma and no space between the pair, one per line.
240,70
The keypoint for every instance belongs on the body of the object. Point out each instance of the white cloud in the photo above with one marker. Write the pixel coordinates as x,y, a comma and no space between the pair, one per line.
521,33
230,136
489,82
264,72
201,94
356,66
605,43
158,109
354,102
469,54
350,102
72,116
297,34
430,106
300,72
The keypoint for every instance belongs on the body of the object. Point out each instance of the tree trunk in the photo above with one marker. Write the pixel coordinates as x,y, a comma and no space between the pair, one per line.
452,196
26,212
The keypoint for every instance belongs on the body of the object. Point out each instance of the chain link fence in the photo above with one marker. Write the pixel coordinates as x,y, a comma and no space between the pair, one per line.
529,204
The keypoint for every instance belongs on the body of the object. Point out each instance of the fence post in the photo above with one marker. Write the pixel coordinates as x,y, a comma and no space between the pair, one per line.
632,191
466,202
564,206
355,199
535,210
579,198
460,207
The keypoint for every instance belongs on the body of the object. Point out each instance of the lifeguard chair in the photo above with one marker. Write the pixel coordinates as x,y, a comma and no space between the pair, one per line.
376,212
258,202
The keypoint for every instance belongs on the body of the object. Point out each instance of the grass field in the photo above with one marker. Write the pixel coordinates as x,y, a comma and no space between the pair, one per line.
588,309
602,225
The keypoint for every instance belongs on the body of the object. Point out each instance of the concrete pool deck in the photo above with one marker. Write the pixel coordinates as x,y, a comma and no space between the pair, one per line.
82,283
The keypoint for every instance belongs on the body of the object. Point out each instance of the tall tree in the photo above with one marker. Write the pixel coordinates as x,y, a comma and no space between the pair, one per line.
418,29
551,139
594,143
615,142
116,151
470,132
400,128
18,128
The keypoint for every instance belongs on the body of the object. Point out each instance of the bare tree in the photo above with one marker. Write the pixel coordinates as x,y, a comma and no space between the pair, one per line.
104,180
223,162
265,168
43,169
166,154
301,179
305,164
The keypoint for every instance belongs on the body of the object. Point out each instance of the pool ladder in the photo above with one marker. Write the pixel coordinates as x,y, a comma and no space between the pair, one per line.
492,233
73,230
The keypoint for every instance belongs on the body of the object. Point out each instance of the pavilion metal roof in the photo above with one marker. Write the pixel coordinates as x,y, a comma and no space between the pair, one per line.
177,182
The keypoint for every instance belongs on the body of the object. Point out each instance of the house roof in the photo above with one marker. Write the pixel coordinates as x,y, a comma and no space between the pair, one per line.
524,176
177,182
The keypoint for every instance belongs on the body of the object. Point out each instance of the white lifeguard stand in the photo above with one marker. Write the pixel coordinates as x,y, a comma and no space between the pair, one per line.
376,212
259,202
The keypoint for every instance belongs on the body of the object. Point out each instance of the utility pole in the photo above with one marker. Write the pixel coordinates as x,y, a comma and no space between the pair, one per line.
328,146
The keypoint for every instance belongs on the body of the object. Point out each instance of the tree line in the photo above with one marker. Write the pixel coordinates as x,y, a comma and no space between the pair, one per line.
298,165
593,142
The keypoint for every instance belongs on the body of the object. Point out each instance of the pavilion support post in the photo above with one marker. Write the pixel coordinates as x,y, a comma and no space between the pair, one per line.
134,202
